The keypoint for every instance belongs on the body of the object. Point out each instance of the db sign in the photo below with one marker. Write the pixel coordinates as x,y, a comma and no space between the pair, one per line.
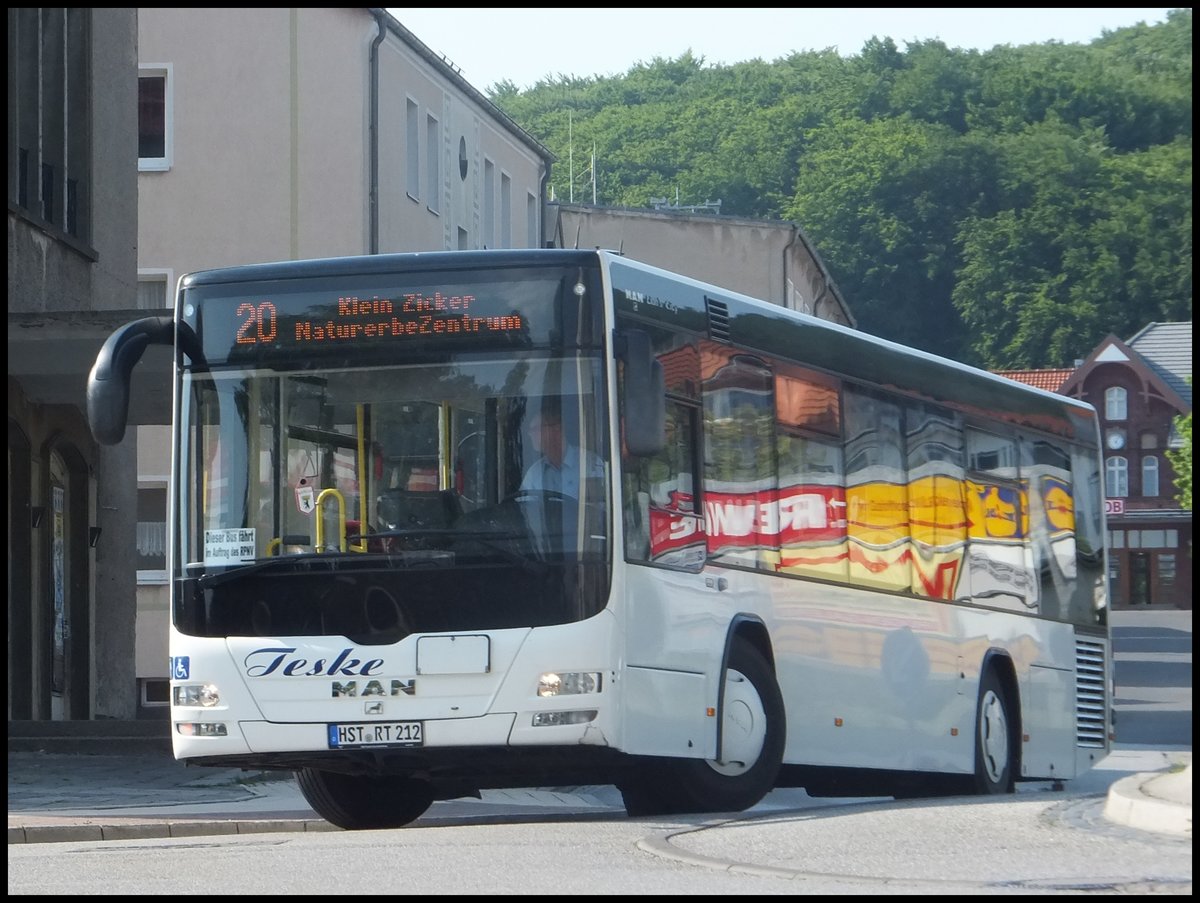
1114,506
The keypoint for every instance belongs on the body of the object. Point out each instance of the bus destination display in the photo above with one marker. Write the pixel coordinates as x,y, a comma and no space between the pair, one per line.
285,324
354,319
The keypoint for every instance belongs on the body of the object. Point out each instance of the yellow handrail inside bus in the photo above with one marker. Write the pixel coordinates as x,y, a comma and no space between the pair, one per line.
274,545
341,506
445,462
363,478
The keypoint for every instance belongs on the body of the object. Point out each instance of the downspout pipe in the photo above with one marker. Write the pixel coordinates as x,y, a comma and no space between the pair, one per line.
543,207
787,257
373,137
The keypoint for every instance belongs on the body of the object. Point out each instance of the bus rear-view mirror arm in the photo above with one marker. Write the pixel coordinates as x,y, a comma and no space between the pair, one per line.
108,381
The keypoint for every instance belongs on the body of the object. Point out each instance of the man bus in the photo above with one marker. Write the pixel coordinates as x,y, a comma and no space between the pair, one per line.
793,554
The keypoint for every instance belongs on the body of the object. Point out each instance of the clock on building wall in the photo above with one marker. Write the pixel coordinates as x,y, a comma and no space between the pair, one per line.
1116,439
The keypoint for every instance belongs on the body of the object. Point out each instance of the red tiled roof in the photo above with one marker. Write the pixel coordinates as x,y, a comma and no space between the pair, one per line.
1050,380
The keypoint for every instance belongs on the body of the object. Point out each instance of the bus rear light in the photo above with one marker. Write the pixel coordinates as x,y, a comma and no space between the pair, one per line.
202,728
203,695
568,683
548,719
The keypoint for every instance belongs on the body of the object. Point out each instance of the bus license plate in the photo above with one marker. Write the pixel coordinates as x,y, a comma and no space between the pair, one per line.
376,733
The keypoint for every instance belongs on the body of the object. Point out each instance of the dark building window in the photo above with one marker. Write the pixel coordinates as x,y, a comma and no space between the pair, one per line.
152,117
50,96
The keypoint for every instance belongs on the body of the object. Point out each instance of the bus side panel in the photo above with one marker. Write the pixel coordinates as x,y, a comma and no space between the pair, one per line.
1047,695
664,714
870,680
674,627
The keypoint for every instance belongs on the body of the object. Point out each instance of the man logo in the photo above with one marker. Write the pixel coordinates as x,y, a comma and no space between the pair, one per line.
374,688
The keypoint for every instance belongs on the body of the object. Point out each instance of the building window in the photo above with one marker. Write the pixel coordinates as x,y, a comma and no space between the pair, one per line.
1166,570
152,290
489,204
1116,478
1149,440
49,121
1150,476
152,534
1153,539
433,163
412,160
1116,539
1115,403
155,117
531,222
505,211
463,239
156,692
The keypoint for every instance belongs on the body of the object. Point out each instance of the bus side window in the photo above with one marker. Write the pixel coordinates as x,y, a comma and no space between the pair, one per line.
663,523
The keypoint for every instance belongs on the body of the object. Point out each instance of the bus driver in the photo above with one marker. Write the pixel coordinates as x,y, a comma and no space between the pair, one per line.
558,468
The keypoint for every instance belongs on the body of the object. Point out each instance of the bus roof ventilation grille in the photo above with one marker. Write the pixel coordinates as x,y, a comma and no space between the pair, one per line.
718,319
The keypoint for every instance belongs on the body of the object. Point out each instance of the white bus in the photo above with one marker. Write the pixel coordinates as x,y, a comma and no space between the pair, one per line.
783,553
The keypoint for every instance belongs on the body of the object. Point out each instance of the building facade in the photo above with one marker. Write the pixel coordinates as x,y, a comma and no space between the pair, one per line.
72,272
765,259
1139,387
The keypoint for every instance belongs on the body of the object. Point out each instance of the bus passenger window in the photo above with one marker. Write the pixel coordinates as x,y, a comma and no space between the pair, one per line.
662,521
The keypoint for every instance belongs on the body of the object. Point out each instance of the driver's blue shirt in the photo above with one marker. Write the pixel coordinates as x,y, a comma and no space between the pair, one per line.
542,474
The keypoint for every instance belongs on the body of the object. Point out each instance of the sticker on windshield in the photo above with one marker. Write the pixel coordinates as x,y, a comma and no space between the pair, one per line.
306,497
229,546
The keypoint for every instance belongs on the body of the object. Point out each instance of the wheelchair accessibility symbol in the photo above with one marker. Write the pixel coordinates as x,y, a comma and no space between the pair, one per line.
181,667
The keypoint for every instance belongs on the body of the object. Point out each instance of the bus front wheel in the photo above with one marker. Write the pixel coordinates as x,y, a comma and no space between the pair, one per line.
360,802
995,739
752,738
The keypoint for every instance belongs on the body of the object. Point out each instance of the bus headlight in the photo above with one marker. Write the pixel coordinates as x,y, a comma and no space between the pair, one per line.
203,695
568,683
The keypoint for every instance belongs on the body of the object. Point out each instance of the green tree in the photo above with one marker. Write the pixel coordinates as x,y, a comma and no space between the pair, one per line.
1007,208
1181,461
874,197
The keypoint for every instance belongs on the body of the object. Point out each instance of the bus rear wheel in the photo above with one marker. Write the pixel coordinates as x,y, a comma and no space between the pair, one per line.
995,739
361,802
753,731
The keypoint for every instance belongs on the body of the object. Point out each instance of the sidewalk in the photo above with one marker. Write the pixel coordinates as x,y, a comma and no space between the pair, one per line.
144,793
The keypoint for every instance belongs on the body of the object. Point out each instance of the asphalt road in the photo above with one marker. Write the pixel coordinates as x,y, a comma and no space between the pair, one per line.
1153,673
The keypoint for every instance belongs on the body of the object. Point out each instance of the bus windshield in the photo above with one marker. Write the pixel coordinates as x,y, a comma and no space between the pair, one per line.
379,501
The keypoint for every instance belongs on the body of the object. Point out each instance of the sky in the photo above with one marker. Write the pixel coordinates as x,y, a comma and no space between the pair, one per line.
526,45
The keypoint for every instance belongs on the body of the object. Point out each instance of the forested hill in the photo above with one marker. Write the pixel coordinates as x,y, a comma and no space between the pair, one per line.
1008,208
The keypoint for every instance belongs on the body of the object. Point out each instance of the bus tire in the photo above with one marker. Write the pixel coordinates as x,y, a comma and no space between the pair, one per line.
361,802
753,734
995,738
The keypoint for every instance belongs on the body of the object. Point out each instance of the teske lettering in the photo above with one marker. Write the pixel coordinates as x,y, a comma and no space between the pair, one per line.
264,662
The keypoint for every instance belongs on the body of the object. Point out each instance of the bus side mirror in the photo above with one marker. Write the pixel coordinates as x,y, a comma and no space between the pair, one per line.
108,382
645,395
